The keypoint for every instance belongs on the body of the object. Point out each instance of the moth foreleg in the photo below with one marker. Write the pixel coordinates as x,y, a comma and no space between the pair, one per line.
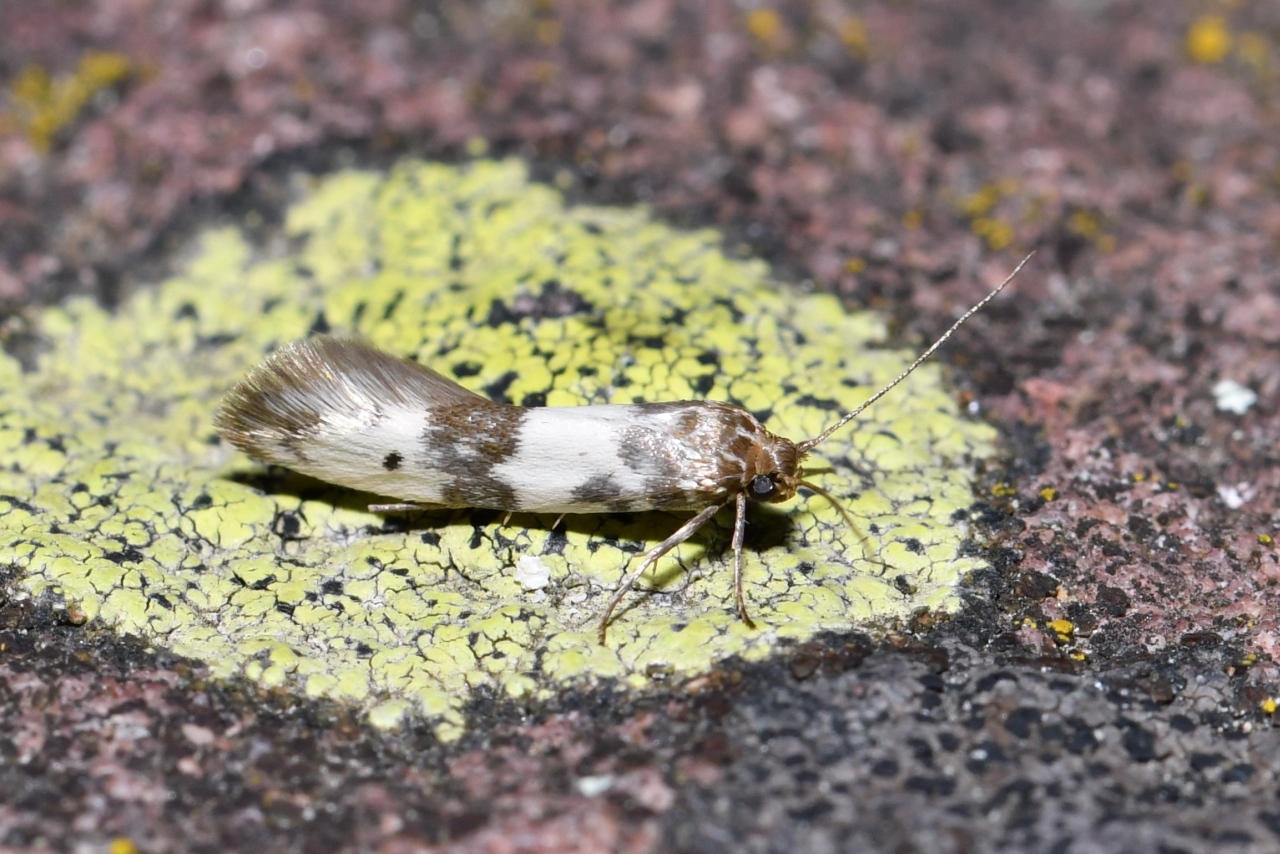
684,532
739,533
863,539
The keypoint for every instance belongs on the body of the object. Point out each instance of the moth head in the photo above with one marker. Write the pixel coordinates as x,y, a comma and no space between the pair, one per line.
775,474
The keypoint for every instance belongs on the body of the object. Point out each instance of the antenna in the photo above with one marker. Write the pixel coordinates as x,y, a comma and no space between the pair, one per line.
809,444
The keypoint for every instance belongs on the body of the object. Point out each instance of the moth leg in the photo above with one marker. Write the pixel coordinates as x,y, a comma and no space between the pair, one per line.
507,518
685,531
556,523
863,539
739,532
403,507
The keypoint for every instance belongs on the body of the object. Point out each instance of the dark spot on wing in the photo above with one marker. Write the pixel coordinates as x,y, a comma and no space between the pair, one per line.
392,461
600,490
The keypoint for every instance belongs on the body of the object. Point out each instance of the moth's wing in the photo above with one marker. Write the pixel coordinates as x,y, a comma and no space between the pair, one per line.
343,411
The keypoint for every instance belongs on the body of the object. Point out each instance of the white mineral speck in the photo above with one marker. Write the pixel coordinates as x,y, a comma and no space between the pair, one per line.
594,787
1235,496
1233,397
531,573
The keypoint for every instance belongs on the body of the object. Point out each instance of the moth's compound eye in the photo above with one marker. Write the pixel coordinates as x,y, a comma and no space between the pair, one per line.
762,486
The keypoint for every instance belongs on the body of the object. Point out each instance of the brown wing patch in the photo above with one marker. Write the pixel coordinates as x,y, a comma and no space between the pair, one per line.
464,442
698,459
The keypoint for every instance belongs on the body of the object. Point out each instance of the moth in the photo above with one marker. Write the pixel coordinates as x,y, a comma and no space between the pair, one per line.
342,411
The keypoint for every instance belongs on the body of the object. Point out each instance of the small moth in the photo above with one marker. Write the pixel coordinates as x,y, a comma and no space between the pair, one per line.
342,411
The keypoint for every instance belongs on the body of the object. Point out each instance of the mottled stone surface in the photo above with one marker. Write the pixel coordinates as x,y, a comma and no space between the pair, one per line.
900,156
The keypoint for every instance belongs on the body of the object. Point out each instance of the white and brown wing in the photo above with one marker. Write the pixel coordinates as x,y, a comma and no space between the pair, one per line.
343,411
646,456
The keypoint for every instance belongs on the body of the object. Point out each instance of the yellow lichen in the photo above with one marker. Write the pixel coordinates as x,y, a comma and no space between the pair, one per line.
115,494
1064,629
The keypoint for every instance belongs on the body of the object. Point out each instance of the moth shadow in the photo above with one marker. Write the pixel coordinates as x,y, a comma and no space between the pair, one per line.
282,482
634,533
631,533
